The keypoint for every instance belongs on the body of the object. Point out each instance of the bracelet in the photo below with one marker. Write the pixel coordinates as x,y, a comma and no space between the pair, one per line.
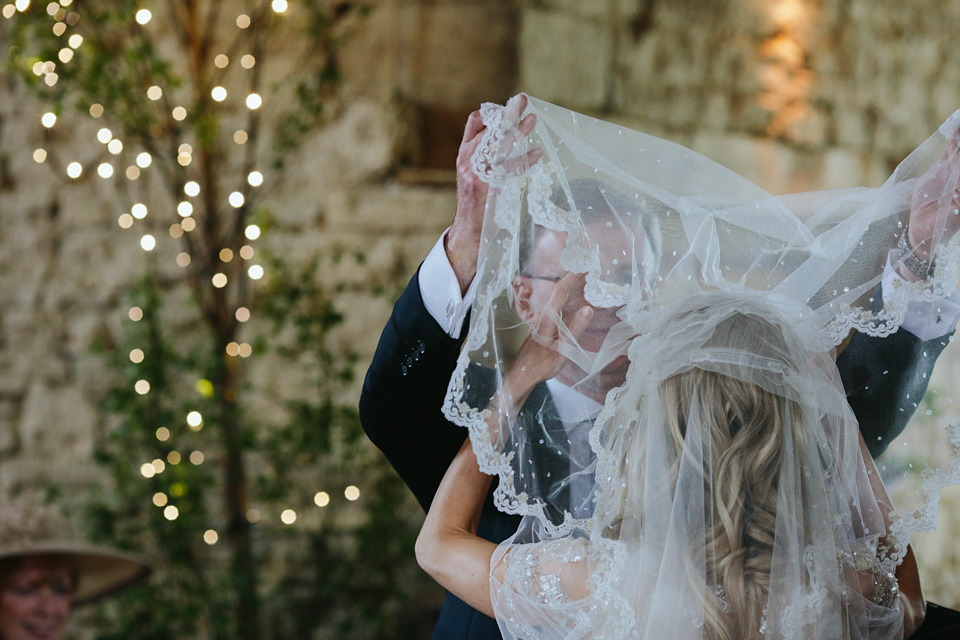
916,266
885,590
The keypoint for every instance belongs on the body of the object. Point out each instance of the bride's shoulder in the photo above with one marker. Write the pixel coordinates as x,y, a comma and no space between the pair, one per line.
553,571
559,550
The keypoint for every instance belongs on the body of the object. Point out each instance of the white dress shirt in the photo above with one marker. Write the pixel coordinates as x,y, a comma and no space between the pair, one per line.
441,291
926,320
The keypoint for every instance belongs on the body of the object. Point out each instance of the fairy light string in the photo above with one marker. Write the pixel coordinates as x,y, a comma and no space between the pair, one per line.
227,263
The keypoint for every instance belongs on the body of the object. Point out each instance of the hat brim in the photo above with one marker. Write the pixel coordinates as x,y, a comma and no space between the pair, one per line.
100,571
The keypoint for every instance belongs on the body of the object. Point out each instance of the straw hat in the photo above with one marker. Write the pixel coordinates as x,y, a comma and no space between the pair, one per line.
27,528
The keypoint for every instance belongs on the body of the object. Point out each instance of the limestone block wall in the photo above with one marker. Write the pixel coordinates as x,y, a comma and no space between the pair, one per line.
793,94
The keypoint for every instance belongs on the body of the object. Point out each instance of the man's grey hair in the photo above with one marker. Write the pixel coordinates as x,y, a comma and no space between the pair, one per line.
596,201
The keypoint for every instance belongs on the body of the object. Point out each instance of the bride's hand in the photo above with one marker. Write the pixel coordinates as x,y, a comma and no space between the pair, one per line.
539,357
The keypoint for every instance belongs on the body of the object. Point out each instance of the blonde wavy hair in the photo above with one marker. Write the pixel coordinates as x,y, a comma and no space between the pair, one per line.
745,432
747,427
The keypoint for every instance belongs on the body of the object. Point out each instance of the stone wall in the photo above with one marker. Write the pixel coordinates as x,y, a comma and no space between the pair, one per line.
793,94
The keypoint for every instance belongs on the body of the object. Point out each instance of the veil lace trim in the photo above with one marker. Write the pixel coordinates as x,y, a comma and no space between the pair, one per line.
711,231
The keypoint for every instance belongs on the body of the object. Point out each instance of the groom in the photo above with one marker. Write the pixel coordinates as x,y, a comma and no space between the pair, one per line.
407,380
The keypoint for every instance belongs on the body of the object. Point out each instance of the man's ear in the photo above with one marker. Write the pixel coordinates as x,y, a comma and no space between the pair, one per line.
522,290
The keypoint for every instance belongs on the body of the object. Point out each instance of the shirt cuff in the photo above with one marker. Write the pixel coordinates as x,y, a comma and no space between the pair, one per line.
927,320
441,291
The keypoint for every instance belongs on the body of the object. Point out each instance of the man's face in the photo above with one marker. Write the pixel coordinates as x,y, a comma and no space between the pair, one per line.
617,263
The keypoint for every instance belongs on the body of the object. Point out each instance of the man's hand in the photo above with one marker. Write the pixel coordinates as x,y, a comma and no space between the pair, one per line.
463,240
931,221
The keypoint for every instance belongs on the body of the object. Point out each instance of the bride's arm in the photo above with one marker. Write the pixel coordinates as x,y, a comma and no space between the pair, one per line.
911,594
448,547
907,575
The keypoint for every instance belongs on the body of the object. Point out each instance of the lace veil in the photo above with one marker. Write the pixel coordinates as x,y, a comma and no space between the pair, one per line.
694,462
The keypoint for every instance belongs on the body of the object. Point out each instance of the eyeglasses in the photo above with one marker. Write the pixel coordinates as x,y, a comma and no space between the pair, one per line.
622,276
550,278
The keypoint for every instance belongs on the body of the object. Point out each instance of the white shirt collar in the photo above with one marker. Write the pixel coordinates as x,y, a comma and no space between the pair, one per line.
572,406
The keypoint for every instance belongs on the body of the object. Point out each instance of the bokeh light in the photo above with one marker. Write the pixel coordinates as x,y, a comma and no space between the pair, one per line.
195,420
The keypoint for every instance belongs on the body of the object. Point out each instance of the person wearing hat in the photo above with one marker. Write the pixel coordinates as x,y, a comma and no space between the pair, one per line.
44,574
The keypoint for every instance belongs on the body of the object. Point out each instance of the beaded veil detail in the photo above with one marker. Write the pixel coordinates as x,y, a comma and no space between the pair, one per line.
691,273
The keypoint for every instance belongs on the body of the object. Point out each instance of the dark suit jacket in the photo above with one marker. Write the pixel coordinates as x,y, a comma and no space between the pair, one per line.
400,412
541,475
407,380
885,379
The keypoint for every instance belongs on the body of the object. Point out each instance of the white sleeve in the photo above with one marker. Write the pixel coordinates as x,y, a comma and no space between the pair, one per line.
441,291
926,320
531,602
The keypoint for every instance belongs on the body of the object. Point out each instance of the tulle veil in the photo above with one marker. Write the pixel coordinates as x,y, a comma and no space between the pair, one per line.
704,286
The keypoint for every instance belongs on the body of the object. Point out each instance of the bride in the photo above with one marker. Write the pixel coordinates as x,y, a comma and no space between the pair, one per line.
728,492
738,503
